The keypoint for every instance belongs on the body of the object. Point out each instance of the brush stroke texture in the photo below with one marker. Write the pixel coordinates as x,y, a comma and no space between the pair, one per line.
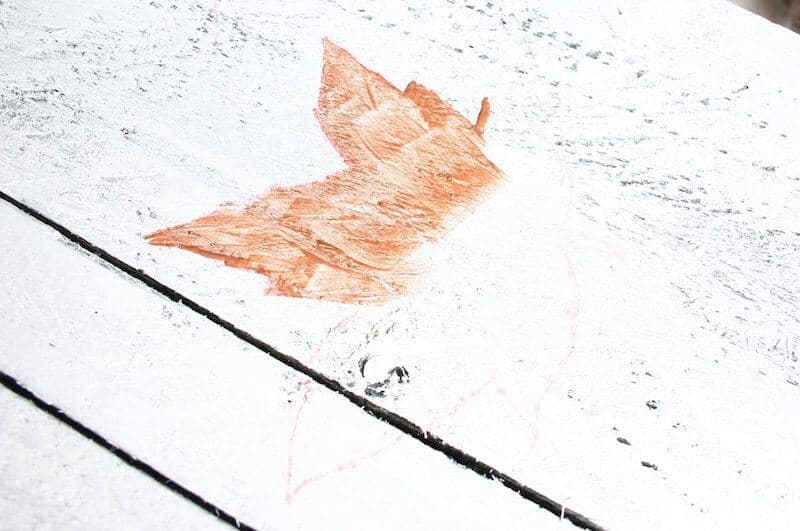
414,168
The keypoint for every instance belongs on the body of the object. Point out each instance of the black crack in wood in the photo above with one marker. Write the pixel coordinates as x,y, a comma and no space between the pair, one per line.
649,465
624,441
18,389
389,417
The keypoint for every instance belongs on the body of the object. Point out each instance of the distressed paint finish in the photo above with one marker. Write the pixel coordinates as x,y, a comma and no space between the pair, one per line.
165,385
642,249
41,460
414,169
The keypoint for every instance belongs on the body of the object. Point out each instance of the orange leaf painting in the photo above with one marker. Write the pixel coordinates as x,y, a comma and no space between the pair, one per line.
414,168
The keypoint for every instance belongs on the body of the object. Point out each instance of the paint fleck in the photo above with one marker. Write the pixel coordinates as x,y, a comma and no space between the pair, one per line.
414,168
649,465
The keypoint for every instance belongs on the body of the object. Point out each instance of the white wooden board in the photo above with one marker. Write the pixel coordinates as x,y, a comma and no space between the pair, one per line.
53,478
220,418
644,248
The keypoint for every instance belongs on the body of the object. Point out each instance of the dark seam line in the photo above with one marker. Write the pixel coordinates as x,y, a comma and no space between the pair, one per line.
377,411
15,387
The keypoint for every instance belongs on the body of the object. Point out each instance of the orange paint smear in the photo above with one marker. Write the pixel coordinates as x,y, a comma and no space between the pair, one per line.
414,168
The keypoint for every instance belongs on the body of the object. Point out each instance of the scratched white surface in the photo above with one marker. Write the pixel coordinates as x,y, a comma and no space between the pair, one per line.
53,478
644,248
219,417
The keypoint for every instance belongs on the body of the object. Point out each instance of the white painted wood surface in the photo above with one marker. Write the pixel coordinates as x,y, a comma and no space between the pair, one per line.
53,478
215,415
643,249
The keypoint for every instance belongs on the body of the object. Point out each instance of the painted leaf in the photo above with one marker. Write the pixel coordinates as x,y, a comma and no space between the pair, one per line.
414,167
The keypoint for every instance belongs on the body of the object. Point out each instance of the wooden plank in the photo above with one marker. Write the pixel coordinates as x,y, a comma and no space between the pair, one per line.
54,478
218,417
633,277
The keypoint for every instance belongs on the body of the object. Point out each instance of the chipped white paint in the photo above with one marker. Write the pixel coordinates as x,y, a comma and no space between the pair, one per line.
53,478
221,418
645,248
